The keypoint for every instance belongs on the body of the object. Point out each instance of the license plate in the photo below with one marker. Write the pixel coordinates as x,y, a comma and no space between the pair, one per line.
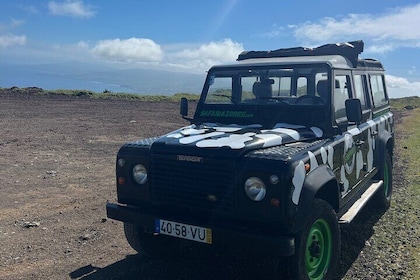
184,231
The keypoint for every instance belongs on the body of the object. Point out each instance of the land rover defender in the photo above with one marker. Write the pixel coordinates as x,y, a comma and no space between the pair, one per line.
284,146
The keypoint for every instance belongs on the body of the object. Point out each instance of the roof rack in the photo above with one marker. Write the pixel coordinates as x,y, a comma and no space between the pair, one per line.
370,63
350,50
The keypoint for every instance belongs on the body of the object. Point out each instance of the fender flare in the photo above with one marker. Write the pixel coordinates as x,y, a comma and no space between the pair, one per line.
322,183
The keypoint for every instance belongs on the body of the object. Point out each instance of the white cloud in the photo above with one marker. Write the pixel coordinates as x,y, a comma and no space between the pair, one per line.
275,32
401,87
176,57
73,8
206,55
10,40
222,51
129,50
400,25
14,23
82,45
380,49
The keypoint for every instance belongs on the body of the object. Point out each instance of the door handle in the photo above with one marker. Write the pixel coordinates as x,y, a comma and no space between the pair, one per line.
360,143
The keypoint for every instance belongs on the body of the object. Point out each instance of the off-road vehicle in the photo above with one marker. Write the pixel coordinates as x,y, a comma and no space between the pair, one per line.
284,146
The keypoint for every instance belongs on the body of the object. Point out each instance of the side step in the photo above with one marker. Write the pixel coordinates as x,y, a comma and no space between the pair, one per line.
358,205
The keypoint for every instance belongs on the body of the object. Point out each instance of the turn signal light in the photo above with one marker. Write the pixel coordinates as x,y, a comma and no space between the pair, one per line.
275,202
121,181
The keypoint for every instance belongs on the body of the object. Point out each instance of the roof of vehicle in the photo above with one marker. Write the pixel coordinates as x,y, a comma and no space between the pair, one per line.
340,55
336,61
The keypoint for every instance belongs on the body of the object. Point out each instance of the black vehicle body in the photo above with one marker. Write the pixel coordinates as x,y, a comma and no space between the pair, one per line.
300,150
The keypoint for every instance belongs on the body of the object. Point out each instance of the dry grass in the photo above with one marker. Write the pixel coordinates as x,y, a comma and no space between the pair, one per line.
410,153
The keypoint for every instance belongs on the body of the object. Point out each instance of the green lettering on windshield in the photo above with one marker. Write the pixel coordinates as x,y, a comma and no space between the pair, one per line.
225,114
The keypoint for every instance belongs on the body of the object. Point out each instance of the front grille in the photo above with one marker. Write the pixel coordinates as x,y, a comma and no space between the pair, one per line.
206,185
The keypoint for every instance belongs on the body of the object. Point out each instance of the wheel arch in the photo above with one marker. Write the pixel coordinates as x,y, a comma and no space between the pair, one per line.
320,183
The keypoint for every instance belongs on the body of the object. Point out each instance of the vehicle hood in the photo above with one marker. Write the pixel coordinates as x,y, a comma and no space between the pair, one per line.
232,139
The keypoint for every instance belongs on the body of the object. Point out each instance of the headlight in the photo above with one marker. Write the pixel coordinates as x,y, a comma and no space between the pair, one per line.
255,189
140,174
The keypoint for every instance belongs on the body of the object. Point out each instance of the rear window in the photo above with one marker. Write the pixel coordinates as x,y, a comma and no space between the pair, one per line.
378,90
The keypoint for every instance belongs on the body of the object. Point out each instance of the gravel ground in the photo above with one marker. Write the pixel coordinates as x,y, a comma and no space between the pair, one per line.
57,170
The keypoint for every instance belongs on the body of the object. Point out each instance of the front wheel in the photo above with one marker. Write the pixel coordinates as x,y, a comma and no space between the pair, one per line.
318,244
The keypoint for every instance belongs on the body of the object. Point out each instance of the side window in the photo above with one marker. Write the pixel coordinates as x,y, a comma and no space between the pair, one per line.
340,95
359,90
378,90
302,86
285,86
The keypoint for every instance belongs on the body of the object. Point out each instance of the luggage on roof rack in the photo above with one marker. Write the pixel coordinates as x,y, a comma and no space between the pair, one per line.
350,50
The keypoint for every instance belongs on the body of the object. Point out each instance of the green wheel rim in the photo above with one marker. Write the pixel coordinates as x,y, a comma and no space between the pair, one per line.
318,249
386,180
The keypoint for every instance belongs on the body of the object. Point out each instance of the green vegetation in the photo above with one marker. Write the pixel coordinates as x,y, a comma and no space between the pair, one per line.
104,95
396,103
126,96
400,103
410,153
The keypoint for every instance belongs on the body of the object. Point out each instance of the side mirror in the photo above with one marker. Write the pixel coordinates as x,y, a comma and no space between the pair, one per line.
354,110
184,107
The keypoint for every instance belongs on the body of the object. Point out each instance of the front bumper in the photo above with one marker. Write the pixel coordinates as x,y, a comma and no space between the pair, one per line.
224,239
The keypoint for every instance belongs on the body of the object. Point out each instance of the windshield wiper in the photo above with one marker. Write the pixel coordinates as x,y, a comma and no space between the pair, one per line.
278,100
227,96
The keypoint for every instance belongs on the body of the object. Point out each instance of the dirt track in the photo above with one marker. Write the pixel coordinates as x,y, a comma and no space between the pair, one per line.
57,173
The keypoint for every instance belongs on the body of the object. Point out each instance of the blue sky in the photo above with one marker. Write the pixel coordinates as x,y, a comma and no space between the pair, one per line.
193,35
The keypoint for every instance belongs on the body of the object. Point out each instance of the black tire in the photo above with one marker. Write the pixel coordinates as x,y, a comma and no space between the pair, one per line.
382,198
317,245
149,245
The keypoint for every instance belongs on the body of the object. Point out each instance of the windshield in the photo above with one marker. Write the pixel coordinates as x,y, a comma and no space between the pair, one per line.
301,86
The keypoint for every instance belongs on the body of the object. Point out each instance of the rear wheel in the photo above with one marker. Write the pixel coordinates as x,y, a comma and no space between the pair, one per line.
318,245
149,245
382,197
